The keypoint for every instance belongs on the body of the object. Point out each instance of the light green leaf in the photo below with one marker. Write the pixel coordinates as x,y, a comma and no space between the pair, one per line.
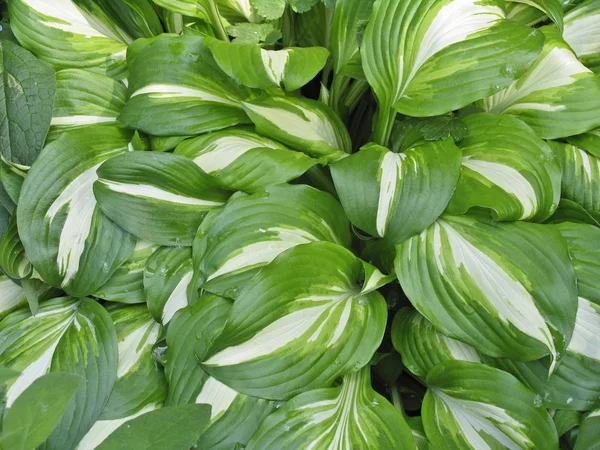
507,169
352,415
269,9
588,432
243,160
303,124
524,13
159,197
31,418
583,34
300,323
66,335
422,346
254,33
13,260
7,375
26,96
171,428
255,67
166,143
192,8
590,141
85,98
347,19
472,406
176,89
234,416
580,175
167,276
569,211
551,8
61,34
429,57
251,230
396,195
507,289
558,96
126,285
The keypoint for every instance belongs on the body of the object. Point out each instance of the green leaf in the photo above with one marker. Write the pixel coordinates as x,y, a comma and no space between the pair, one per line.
31,418
303,124
565,420
159,197
171,428
167,276
397,195
558,96
569,211
126,285
13,260
176,89
243,160
269,9
26,97
7,374
11,179
421,63
588,432
192,8
352,415
551,8
12,295
472,406
62,35
251,230
85,98
590,141
254,33
582,34
507,169
255,67
524,13
507,289
422,346
166,143
68,239
304,320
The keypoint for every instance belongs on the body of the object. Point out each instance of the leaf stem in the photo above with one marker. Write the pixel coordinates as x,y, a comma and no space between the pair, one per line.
397,399
383,124
355,93
215,19
339,85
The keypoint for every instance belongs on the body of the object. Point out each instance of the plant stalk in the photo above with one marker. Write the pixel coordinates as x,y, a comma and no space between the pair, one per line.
215,20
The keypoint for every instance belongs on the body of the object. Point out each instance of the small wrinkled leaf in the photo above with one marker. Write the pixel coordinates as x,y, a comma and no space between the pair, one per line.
254,33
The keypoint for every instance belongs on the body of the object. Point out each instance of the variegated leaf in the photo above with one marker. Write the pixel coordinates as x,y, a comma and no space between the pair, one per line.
66,335
303,124
253,66
234,416
192,8
582,33
524,13
251,230
396,195
414,55
552,9
68,239
300,323
349,416
473,406
12,296
558,96
580,175
507,169
243,160
167,276
126,285
507,289
422,346
159,197
176,89
11,179
59,32
13,260
85,98
590,141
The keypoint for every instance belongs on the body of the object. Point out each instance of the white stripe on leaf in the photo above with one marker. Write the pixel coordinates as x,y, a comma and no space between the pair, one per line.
177,299
586,335
217,395
132,347
175,91
223,151
391,174
274,62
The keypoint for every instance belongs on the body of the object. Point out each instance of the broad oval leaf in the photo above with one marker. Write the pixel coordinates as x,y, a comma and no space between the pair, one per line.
352,415
582,33
234,416
26,96
61,34
558,96
126,285
68,239
507,289
506,168
303,124
176,89
580,175
422,346
159,197
167,276
253,66
414,53
473,406
66,335
243,160
251,230
85,98
302,321
396,195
